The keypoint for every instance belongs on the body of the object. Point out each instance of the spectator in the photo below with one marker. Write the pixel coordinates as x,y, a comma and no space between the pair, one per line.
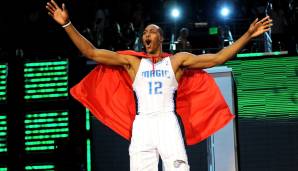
182,42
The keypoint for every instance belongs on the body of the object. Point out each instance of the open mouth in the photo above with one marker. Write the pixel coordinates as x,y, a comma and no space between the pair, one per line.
148,42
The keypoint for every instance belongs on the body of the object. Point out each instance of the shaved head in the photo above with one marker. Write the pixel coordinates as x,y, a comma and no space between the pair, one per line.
157,27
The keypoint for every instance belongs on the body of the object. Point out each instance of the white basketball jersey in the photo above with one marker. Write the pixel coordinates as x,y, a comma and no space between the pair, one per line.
155,90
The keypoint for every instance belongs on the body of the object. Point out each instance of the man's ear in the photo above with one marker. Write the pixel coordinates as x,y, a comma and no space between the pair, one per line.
161,39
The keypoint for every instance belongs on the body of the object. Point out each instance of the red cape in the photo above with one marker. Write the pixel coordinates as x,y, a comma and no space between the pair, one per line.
107,92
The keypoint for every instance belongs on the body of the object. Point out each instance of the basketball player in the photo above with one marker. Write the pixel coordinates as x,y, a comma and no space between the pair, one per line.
151,80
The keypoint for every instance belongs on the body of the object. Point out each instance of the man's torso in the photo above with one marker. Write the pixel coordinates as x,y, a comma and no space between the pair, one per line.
155,88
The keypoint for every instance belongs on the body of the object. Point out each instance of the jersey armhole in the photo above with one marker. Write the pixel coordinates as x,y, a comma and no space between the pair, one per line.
172,71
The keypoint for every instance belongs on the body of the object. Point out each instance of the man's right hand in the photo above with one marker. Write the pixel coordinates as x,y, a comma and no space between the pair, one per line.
60,15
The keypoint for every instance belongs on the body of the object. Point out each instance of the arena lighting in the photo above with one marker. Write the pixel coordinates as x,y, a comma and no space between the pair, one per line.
225,11
175,13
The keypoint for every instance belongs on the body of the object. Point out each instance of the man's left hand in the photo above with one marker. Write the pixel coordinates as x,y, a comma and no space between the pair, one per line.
259,27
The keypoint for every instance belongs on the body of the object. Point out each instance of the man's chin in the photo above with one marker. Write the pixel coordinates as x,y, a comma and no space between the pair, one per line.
149,51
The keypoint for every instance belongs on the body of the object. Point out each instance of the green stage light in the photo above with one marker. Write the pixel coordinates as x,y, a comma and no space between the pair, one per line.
3,128
88,142
46,125
3,133
46,115
34,143
45,74
44,80
88,155
2,150
45,96
46,85
42,137
47,131
47,64
88,120
43,129
40,167
213,31
50,90
57,68
266,88
41,148
261,54
3,81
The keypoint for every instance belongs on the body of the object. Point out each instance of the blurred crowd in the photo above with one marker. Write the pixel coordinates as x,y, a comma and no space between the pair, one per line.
118,24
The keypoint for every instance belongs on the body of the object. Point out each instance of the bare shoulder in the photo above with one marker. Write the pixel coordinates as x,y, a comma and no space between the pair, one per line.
179,58
182,55
132,59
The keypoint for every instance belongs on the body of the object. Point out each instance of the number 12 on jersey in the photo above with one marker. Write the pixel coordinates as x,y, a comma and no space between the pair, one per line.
155,87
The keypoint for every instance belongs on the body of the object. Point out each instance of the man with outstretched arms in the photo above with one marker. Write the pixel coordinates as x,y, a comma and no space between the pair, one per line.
146,89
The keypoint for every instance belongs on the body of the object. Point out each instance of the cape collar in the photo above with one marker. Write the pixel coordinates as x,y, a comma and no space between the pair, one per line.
144,55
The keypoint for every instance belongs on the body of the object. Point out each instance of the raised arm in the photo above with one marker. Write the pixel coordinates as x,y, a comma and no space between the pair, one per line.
209,60
60,15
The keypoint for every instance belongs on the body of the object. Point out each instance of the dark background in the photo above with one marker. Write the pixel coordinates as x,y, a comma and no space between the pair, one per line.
26,25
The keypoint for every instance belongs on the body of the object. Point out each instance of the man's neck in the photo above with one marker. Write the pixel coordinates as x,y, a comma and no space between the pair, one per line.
157,55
